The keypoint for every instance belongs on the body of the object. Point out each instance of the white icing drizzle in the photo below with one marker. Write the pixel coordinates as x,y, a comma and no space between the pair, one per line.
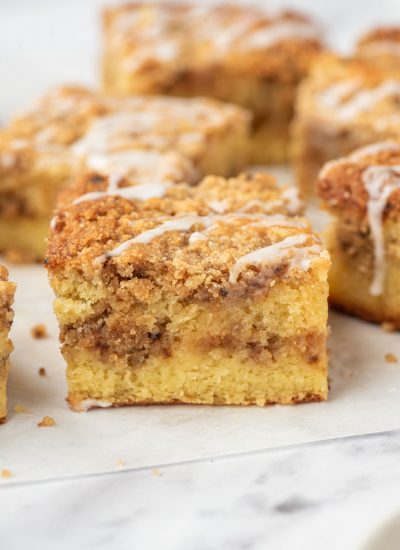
289,198
379,182
134,192
293,201
358,102
144,165
374,149
278,32
185,223
197,236
176,224
88,404
287,248
154,122
115,131
218,206
163,34
266,206
162,53
53,222
336,93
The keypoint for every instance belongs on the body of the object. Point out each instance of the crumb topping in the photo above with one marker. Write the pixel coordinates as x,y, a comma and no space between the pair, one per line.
46,422
191,237
157,37
145,139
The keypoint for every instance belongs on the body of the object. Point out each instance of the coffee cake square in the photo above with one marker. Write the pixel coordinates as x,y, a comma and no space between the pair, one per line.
144,139
362,192
239,54
214,294
343,105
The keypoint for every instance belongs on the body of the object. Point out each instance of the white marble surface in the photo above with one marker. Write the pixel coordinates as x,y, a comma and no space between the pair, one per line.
327,495
324,495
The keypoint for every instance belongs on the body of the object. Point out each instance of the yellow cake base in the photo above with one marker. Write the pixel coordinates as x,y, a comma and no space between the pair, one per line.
349,286
203,379
4,368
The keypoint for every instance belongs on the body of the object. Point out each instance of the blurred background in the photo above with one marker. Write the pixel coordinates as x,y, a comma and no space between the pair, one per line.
47,42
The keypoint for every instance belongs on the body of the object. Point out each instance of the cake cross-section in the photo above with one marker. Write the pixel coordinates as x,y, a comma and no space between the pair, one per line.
362,192
7,290
239,54
145,139
214,294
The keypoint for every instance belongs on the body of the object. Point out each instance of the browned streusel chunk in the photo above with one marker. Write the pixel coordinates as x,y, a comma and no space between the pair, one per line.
39,331
185,296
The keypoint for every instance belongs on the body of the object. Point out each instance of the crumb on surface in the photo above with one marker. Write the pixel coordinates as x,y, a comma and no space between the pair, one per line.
20,409
42,371
120,463
39,331
156,472
46,422
388,326
5,473
391,358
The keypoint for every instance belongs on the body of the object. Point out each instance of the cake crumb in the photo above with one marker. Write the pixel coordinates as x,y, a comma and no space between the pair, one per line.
120,464
39,331
20,409
391,358
46,422
42,371
156,472
388,326
5,474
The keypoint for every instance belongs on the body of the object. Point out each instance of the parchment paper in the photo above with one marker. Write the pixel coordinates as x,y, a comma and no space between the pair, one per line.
364,398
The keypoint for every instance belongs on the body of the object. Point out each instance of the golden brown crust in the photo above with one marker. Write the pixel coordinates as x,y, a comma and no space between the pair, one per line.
197,37
75,402
341,183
